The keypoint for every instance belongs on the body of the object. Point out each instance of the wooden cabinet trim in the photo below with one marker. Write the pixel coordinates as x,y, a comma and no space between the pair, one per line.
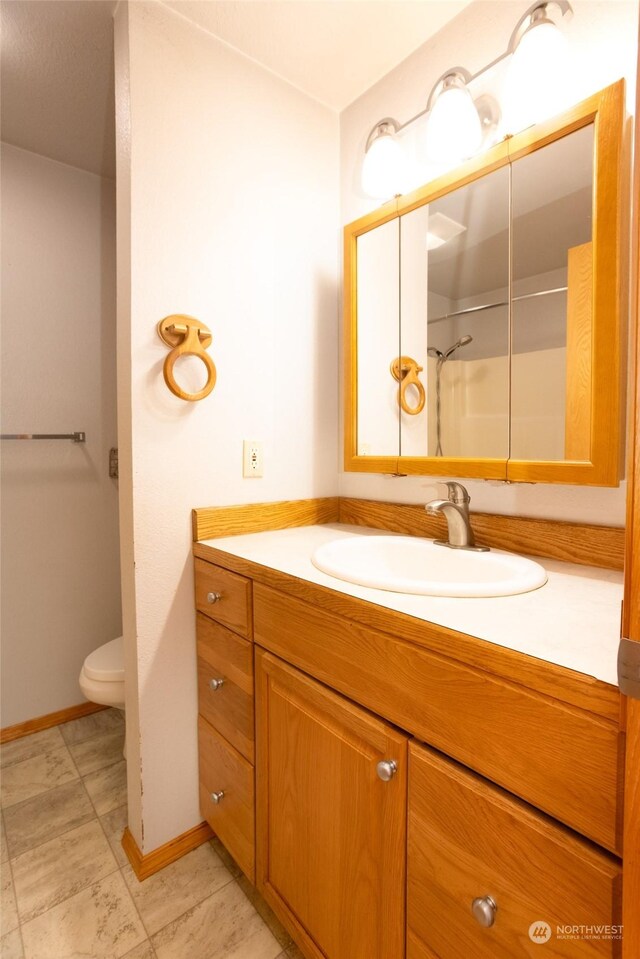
557,757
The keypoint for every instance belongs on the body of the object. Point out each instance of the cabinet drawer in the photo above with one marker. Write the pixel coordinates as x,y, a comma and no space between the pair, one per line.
226,652
226,706
224,770
224,596
468,839
557,757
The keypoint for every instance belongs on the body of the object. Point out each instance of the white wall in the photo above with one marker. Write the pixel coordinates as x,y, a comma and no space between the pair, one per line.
234,184
603,38
60,568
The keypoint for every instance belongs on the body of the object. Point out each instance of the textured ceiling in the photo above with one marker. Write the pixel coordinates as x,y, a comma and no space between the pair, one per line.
57,59
57,80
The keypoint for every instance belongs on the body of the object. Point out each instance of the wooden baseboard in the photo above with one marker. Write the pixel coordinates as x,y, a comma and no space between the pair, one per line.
579,543
9,733
146,865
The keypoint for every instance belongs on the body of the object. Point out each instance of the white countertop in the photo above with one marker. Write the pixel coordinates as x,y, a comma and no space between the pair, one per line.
572,621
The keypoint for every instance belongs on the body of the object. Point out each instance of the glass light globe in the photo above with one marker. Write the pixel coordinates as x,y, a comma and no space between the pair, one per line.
536,83
383,168
454,130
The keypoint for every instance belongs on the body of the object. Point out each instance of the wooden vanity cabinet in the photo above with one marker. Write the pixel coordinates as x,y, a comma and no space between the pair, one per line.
331,832
369,844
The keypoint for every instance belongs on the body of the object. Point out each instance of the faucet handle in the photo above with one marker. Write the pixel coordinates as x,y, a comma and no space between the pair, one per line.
458,494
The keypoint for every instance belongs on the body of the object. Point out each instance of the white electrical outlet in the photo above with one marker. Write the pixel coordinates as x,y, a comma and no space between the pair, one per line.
252,458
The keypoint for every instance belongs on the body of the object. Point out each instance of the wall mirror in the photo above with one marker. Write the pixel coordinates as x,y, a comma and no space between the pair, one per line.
482,313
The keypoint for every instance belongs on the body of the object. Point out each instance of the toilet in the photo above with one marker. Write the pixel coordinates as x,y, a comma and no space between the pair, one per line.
102,675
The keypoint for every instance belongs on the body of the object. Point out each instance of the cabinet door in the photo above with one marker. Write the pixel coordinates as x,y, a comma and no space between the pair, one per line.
331,833
491,878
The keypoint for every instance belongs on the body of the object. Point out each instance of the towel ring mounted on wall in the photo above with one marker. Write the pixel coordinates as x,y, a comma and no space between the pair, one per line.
405,370
187,337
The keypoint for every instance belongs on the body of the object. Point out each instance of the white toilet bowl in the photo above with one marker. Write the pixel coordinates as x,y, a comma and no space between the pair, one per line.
102,675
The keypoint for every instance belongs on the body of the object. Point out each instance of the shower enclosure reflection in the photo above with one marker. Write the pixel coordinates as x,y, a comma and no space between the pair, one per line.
441,359
455,269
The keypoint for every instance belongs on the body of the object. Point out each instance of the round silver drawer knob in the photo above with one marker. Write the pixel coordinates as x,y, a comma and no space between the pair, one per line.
214,597
216,683
217,797
484,910
386,769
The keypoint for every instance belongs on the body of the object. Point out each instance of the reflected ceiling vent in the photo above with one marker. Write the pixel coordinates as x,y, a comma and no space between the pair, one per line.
441,229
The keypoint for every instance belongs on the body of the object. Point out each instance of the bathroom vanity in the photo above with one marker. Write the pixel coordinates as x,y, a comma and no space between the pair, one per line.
411,775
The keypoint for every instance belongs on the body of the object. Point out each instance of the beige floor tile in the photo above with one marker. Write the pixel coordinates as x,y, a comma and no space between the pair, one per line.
99,751
265,912
108,787
8,910
114,823
226,858
224,926
145,951
29,746
103,722
293,952
46,816
177,888
100,922
11,945
36,775
4,848
59,869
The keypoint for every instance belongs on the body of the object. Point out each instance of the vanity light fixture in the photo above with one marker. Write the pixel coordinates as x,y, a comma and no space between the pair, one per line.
384,161
453,128
458,126
537,79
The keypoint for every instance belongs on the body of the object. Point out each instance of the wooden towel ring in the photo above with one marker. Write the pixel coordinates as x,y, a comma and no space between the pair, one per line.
187,337
405,370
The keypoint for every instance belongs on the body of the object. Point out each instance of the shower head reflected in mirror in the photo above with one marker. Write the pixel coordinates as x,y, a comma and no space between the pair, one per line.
442,359
456,346
439,355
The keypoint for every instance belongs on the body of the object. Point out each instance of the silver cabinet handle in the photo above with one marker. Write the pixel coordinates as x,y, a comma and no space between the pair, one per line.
217,797
484,910
216,683
214,597
386,769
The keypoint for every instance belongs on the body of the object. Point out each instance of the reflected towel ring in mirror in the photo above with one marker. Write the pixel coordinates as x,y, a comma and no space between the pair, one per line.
405,370
187,337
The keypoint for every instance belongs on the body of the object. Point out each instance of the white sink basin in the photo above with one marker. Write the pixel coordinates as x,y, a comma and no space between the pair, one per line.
409,564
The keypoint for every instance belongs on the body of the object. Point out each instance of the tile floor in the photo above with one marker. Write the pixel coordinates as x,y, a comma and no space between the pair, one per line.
68,891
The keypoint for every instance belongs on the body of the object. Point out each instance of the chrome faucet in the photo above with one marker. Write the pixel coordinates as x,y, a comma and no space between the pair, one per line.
456,511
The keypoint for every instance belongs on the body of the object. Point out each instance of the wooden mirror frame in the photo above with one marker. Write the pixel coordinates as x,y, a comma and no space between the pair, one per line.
606,464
